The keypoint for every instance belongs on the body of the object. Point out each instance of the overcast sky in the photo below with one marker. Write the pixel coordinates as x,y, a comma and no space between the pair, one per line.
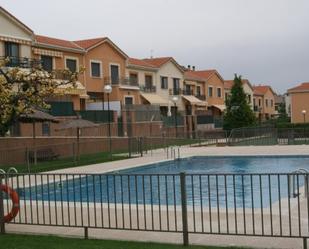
266,41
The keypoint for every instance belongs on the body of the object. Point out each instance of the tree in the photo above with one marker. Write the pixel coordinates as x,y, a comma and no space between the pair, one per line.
238,111
23,90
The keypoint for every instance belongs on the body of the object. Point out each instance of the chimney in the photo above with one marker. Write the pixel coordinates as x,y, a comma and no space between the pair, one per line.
189,67
193,68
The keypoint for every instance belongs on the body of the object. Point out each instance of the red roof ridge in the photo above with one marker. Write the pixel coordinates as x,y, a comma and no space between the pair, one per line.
88,43
56,42
140,62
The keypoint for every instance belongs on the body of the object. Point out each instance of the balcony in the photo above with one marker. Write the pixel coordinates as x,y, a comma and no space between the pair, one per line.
121,81
187,92
175,91
257,108
21,62
61,75
201,97
148,89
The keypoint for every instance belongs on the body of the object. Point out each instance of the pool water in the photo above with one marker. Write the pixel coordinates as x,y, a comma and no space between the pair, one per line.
210,181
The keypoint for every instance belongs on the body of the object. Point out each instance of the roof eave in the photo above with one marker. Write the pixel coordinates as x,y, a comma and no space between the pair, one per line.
44,45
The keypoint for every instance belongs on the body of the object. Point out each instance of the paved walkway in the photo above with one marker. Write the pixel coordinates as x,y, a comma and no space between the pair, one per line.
161,155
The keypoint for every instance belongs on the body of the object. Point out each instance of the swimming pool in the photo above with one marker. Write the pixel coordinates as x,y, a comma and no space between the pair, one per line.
248,182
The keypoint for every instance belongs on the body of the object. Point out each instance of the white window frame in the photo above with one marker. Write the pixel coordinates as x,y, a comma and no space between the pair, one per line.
101,69
110,71
128,96
218,92
71,58
210,86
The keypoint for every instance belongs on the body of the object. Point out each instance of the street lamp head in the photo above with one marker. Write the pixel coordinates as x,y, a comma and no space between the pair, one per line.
175,98
108,89
303,112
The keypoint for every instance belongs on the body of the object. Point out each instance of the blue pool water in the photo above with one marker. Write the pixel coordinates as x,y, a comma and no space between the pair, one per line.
217,181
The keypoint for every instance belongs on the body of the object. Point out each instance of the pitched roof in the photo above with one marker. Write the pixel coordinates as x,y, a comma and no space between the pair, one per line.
159,61
140,63
57,42
205,74
88,43
262,89
190,74
228,84
303,87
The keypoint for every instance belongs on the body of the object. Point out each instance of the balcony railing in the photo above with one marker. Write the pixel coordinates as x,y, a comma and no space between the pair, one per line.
148,89
124,81
61,75
200,97
21,62
187,92
175,91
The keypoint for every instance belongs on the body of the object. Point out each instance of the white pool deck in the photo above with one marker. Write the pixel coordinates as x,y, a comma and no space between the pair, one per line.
198,239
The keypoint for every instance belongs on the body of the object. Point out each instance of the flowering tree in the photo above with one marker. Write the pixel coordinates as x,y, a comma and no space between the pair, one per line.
22,90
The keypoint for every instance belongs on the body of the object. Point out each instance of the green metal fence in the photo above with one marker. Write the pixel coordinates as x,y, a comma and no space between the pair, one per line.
268,136
62,108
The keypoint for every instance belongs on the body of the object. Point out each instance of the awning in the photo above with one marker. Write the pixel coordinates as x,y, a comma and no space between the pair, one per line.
79,89
220,107
155,99
194,100
53,53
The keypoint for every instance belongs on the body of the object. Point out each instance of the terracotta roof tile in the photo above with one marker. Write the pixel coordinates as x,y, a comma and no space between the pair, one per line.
300,88
228,84
205,74
190,74
262,89
141,63
88,43
158,62
56,42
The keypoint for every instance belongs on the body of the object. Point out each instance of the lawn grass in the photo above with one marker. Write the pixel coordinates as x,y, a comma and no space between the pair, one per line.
14,241
68,162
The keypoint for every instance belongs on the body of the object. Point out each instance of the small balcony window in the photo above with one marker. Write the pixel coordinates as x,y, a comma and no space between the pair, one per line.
47,63
210,91
219,92
95,69
198,90
164,82
71,64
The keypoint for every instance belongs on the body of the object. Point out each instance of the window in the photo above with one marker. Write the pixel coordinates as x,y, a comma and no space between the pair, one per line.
188,90
128,100
133,78
271,103
198,90
266,102
219,92
11,49
114,74
71,64
45,129
95,69
226,95
47,63
210,91
148,81
259,102
253,102
176,88
164,82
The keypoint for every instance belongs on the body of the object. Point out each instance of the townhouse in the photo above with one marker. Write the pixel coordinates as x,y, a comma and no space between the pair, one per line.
264,102
212,85
248,89
298,103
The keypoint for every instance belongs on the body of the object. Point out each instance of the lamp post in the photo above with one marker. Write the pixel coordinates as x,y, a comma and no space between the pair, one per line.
304,115
175,99
108,89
